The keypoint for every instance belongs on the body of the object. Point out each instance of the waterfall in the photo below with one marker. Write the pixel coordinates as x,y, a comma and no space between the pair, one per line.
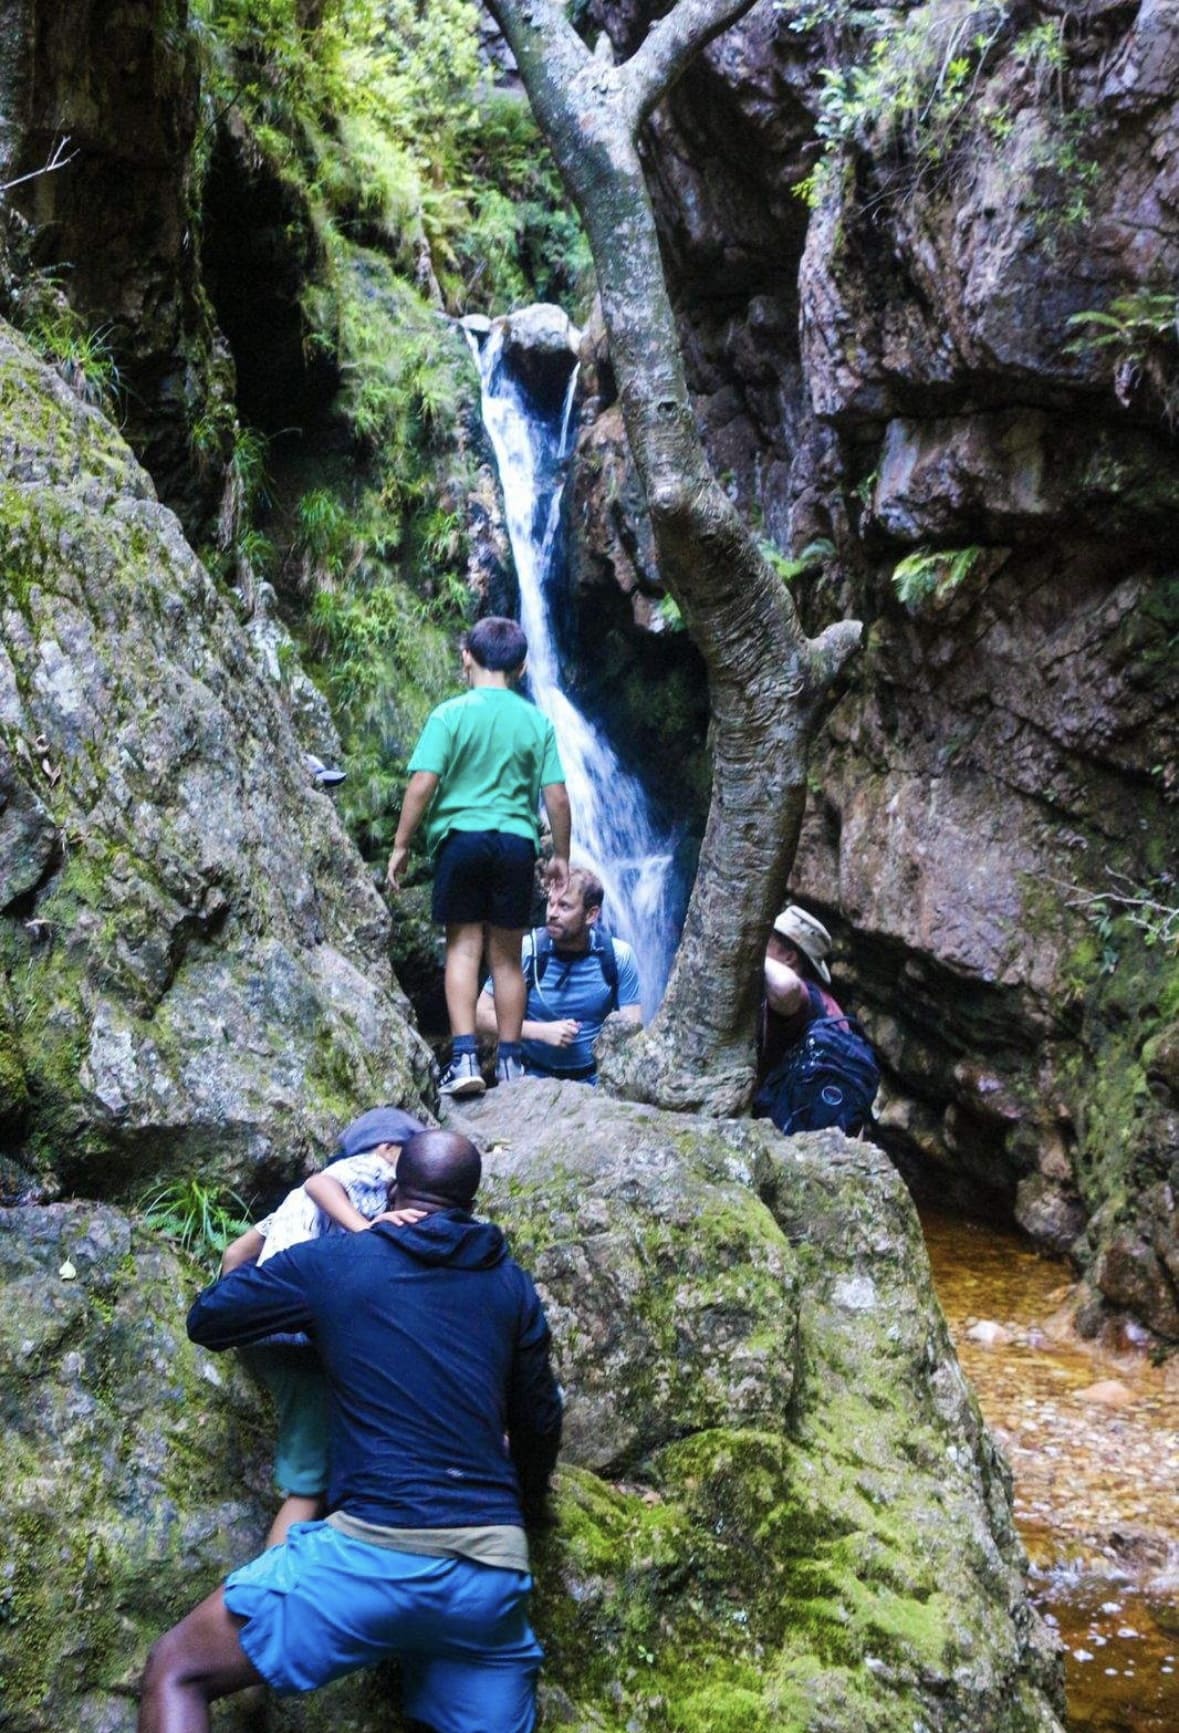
612,828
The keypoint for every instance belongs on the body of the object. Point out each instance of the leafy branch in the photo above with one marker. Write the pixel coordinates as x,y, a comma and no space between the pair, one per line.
1149,907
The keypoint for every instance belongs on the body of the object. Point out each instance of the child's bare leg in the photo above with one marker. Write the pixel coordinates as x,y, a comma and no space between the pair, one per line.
503,944
464,954
295,1507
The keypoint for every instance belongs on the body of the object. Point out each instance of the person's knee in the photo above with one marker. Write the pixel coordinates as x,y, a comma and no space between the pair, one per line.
167,1663
503,946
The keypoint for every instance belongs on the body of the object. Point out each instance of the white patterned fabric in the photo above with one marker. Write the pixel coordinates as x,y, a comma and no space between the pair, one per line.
364,1177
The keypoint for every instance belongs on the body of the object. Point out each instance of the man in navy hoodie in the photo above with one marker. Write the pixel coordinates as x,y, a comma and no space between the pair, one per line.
435,1346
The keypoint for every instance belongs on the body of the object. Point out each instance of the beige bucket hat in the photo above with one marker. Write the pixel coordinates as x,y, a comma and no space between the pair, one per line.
806,934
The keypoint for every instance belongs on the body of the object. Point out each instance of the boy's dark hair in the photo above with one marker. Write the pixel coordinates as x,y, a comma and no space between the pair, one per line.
497,644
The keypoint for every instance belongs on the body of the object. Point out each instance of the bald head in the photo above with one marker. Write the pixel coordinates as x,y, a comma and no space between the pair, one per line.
438,1170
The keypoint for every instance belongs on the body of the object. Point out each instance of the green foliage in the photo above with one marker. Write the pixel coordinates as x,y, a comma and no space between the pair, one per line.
379,116
933,574
84,358
911,87
910,93
788,569
243,552
384,656
201,1219
1147,912
669,615
1139,332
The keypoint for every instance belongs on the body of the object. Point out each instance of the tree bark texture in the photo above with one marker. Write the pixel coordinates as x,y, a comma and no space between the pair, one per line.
768,683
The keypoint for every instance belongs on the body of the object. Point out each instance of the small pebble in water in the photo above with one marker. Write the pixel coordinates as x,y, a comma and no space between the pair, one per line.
1081,1655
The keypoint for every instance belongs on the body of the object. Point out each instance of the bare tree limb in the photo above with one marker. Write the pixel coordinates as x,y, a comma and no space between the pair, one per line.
55,160
669,45
769,686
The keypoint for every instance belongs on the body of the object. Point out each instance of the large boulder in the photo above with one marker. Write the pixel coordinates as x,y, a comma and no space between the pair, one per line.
194,973
778,1507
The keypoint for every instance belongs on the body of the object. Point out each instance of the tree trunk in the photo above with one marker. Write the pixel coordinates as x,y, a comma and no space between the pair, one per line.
768,683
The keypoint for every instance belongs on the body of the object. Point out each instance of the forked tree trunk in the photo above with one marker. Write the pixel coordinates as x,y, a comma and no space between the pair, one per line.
768,683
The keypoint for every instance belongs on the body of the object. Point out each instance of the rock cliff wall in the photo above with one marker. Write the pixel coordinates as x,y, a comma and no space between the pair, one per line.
194,971
887,375
117,230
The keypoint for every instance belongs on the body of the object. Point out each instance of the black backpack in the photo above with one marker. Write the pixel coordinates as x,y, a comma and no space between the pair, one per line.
828,1077
601,947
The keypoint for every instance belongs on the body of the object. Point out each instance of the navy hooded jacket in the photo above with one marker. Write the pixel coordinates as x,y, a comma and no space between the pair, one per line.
435,1345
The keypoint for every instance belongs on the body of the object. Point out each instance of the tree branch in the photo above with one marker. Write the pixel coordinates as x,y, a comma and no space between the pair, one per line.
670,44
56,159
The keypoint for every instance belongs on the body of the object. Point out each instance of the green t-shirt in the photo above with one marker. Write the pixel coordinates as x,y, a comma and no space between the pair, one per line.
492,752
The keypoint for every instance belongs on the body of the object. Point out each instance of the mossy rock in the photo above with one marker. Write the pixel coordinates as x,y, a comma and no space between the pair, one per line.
194,955
779,1506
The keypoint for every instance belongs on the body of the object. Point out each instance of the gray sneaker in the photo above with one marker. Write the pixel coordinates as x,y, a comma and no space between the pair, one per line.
462,1076
509,1069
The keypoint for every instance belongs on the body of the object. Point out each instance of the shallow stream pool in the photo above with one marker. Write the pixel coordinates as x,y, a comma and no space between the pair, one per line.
1092,1436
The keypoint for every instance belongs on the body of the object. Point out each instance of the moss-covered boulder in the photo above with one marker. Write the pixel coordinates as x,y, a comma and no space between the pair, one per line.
133,1465
778,1507
192,958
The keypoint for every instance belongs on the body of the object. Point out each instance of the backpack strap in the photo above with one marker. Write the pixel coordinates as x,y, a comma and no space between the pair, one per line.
601,947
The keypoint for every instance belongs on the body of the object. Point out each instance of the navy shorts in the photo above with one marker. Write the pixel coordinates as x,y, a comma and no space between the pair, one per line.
487,876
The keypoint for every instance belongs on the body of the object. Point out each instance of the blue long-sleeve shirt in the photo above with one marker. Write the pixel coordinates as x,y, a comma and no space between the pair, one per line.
435,1345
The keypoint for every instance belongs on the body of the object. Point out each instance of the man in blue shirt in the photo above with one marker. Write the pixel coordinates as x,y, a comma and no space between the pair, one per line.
435,1345
576,976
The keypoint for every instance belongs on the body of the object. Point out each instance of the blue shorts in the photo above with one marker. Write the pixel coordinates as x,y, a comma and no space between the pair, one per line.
299,1389
325,1604
486,876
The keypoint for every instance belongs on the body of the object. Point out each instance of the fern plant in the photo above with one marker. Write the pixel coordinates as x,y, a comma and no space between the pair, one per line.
1140,333
201,1219
933,573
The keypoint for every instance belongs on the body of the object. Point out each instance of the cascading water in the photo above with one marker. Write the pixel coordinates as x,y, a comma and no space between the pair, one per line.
612,828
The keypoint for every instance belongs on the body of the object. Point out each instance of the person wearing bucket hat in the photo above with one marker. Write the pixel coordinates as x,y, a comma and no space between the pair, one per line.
815,1064
347,1196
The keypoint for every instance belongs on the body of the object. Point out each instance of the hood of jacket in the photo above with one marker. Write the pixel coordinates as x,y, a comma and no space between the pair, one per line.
449,1236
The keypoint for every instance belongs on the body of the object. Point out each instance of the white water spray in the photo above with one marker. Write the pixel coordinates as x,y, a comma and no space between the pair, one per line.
612,829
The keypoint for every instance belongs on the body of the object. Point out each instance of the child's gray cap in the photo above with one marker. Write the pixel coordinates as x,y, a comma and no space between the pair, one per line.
378,1125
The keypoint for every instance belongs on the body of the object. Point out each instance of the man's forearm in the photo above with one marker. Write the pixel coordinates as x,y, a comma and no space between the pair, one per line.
785,991
247,1305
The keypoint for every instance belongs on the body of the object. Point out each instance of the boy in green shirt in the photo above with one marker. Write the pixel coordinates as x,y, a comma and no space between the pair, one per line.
477,774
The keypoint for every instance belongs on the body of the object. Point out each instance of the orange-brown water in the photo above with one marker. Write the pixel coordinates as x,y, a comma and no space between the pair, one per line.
1096,1487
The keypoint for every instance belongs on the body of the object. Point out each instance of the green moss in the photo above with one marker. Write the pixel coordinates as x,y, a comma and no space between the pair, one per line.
1128,995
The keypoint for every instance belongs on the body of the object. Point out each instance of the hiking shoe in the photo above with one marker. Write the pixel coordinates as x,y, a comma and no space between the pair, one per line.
509,1069
462,1076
